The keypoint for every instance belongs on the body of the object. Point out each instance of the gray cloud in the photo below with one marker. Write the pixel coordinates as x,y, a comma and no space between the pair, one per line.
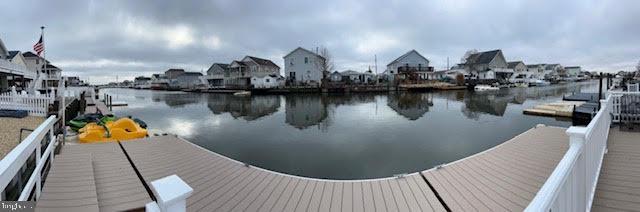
103,39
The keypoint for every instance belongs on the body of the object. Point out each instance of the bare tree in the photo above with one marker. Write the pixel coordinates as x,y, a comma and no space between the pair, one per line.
326,65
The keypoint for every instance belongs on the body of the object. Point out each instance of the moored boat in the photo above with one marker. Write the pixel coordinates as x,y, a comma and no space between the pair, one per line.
485,88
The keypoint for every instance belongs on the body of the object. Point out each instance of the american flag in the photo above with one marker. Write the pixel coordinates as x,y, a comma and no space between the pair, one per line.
39,46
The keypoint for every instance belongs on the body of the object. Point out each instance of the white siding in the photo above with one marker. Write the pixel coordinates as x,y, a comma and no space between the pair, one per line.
306,66
413,59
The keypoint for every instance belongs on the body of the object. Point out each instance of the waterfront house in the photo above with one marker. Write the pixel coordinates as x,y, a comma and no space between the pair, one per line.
142,82
267,81
573,71
240,72
13,70
519,71
488,65
335,76
553,71
216,75
72,81
48,76
536,71
355,77
410,66
187,80
159,82
174,73
302,66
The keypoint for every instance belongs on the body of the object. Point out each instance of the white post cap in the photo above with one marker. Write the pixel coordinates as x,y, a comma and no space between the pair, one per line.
171,191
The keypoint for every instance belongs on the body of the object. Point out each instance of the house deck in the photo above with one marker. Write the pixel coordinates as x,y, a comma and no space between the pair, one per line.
505,177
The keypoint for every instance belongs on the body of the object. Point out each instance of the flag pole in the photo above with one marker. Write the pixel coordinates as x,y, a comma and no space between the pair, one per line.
44,56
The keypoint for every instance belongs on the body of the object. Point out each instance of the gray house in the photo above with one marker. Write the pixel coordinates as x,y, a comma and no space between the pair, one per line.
187,80
216,74
487,65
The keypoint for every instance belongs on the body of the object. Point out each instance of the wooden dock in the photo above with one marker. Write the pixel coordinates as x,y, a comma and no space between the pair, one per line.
618,186
505,177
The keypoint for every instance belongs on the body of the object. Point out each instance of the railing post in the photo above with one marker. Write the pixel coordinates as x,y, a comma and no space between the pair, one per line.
577,136
171,193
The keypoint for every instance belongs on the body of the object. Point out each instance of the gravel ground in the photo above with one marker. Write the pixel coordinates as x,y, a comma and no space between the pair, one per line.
10,131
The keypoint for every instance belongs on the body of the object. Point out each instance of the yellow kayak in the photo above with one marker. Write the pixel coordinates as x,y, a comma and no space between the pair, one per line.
121,130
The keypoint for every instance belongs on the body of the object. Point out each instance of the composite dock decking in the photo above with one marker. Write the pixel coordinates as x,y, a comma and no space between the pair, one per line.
504,178
618,186
221,184
103,170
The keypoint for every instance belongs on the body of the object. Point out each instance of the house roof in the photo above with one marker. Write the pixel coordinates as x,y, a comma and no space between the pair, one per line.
12,54
350,72
407,54
571,67
174,70
29,54
303,49
513,64
263,62
482,57
238,62
550,66
222,65
534,65
191,74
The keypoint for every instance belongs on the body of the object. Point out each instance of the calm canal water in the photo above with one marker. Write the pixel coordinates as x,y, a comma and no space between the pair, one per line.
353,136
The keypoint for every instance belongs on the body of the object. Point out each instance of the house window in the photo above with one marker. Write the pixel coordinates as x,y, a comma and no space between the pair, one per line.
292,75
306,60
267,80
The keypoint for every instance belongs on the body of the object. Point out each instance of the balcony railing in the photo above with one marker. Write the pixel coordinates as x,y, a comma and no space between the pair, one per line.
12,68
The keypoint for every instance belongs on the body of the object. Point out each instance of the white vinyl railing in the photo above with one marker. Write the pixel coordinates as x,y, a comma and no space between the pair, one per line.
17,163
572,184
35,105
617,103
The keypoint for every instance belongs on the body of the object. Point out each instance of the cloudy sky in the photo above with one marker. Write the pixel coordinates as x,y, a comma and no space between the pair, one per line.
100,40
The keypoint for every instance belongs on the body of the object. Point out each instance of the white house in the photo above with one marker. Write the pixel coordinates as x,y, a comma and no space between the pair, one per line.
303,66
239,73
552,71
573,71
267,81
412,61
520,72
487,65
358,77
335,76
536,71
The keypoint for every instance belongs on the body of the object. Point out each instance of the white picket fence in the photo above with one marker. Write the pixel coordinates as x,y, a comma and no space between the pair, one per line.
35,105
572,184
14,165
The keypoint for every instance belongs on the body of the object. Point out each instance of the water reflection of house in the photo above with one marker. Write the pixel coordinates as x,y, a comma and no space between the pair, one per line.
175,99
247,108
303,111
476,104
410,105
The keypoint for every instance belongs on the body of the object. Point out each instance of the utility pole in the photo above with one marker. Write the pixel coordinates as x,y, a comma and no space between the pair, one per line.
447,63
375,61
